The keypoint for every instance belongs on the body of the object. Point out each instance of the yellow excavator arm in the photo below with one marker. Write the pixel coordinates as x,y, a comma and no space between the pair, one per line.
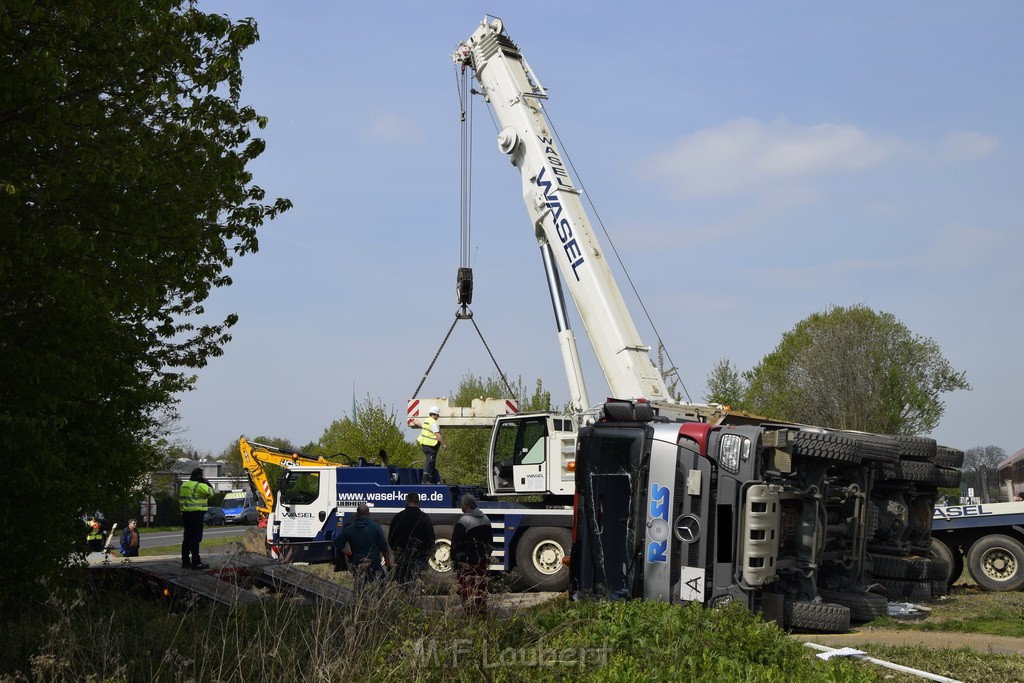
255,455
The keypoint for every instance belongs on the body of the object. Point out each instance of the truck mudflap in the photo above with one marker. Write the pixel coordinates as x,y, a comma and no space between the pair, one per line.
759,540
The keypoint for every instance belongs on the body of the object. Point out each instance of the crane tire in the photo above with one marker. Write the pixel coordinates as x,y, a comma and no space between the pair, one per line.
439,562
539,554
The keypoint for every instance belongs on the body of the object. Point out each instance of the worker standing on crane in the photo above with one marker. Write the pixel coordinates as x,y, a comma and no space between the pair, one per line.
429,440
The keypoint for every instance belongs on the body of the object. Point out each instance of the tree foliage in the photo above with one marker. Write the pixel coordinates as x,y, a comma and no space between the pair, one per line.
373,428
726,385
854,368
124,196
980,470
465,461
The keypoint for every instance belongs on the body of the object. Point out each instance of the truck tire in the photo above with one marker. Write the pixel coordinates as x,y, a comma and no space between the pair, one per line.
539,556
908,470
952,557
439,561
827,446
947,477
815,617
894,567
863,606
901,590
949,457
875,447
996,563
919,448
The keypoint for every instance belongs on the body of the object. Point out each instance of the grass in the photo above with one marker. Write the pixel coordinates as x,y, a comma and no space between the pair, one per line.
970,609
209,543
120,636
382,637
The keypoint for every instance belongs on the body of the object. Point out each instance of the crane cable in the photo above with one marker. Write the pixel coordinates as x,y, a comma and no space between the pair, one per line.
464,279
672,366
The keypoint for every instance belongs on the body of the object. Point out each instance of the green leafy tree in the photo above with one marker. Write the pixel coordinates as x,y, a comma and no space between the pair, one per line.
375,428
124,196
726,385
465,461
854,368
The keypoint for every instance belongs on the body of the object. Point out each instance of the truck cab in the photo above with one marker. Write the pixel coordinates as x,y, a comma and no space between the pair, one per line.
685,511
533,454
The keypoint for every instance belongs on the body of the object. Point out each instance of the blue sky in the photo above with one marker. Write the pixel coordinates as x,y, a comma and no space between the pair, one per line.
752,162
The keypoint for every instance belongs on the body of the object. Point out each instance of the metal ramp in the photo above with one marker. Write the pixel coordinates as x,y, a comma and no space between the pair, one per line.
284,577
213,588
226,580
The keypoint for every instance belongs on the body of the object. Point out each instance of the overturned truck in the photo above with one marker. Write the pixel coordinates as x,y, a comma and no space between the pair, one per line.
810,527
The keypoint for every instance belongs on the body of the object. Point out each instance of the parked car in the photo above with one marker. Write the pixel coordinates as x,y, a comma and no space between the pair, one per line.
214,516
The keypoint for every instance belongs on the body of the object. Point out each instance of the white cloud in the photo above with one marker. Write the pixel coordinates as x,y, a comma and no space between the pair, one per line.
392,128
966,146
745,155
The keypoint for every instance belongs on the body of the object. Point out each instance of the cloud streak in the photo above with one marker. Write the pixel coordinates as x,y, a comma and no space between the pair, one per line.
744,155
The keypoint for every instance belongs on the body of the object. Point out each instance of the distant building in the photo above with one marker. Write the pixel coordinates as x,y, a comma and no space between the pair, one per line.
181,470
1011,474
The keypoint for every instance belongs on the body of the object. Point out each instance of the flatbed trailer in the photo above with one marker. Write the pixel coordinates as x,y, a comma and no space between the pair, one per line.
987,538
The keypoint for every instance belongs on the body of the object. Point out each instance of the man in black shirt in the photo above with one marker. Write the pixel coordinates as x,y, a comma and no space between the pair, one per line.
411,537
472,540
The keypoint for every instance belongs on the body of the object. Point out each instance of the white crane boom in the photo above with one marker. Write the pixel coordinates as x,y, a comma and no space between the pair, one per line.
562,228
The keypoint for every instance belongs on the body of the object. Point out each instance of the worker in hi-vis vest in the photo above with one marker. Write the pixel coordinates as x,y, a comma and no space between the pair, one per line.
429,440
192,499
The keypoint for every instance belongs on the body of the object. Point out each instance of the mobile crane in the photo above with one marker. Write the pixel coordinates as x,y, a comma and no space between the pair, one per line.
315,497
532,453
673,502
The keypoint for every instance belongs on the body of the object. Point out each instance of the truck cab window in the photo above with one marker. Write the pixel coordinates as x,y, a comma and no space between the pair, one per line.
300,488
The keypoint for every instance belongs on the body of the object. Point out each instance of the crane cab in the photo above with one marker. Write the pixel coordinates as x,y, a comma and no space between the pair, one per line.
532,454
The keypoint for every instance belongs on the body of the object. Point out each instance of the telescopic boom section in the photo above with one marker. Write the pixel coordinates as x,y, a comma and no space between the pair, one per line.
514,93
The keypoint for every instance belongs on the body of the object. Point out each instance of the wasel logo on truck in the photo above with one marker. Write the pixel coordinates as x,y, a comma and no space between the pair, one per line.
657,524
951,511
562,225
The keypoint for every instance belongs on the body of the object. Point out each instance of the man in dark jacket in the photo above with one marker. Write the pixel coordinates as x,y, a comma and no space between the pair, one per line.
471,552
411,537
366,540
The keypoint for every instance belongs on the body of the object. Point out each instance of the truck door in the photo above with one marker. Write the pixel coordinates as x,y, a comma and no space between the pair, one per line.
304,514
520,453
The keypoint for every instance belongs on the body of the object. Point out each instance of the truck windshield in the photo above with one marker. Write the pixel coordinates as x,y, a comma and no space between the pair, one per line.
608,470
300,487
233,501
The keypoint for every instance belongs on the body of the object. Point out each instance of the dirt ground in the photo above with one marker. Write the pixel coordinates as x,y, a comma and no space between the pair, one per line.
980,642
966,601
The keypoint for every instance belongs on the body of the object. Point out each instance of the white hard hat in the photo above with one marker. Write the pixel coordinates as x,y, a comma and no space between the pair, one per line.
434,410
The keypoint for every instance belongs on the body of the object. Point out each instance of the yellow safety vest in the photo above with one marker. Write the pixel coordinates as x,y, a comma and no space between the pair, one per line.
426,437
193,495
